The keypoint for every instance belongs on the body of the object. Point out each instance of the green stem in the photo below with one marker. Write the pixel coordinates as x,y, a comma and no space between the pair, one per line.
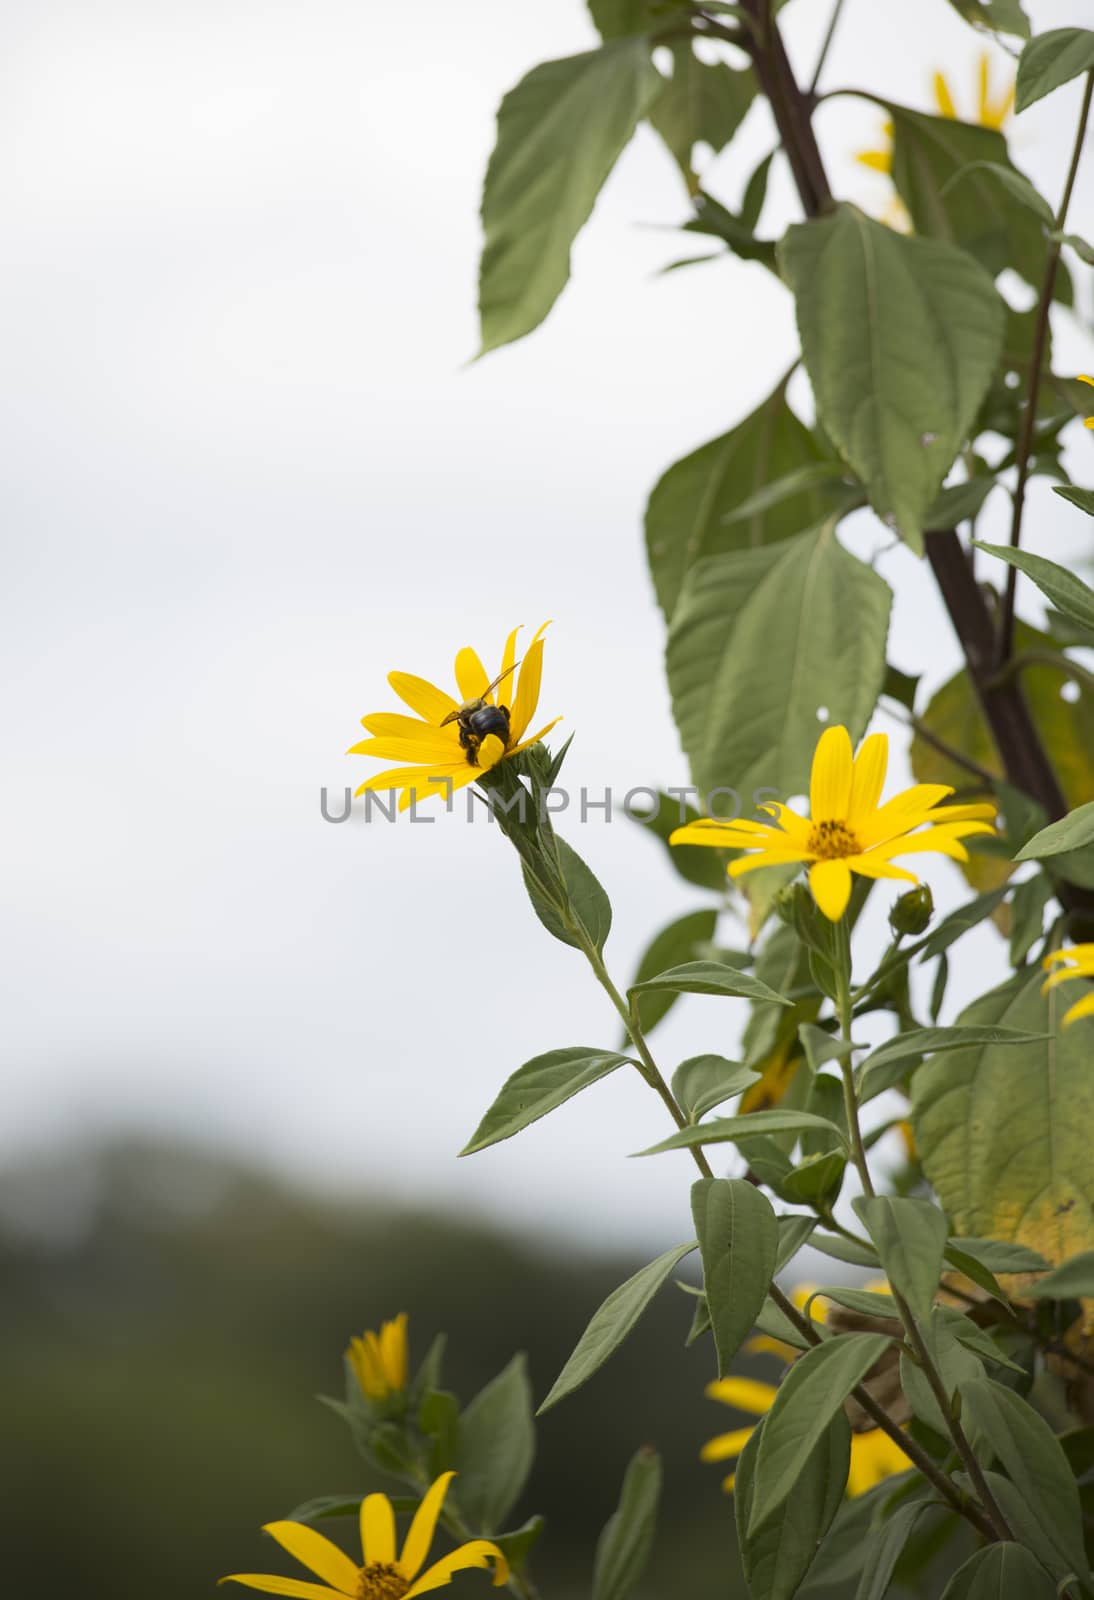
833,23
847,1070
1037,356
1043,658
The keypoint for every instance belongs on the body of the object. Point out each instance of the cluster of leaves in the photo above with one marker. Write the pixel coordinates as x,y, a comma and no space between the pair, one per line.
931,395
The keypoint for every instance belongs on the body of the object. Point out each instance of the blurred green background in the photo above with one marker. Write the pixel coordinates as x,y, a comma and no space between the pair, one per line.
168,1319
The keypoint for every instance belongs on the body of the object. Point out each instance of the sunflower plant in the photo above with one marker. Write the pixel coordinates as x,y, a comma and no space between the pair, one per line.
926,1415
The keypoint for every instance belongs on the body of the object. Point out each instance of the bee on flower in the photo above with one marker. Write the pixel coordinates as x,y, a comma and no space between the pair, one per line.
847,830
448,742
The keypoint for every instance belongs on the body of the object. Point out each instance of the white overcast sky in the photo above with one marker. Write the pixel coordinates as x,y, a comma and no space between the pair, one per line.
247,470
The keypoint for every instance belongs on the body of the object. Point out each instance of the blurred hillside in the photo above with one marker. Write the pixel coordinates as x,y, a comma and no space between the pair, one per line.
168,1319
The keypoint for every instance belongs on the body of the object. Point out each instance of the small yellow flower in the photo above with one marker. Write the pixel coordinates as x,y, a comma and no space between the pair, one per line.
1086,378
874,1456
847,831
450,743
379,1359
382,1575
1080,964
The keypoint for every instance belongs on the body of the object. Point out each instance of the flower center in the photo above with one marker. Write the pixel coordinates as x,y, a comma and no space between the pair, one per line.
830,841
381,1581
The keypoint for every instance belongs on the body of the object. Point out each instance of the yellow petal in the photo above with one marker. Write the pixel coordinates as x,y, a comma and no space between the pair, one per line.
830,882
867,779
903,812
527,696
446,784
874,865
273,1585
943,99
420,1536
795,827
767,858
830,780
316,1553
377,1529
507,684
471,675
874,1457
878,160
396,777
726,1445
431,746
1061,977
982,101
534,738
1084,377
386,724
1084,1008
998,113
489,753
747,1394
422,696
393,1345
479,1553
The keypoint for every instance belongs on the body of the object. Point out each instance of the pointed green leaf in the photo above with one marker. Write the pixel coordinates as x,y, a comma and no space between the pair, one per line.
1083,498
733,1130
1073,832
1001,1572
910,1237
497,1445
1004,16
876,1073
901,336
808,1398
1074,1280
707,977
1067,592
777,1557
885,1549
703,1082
1014,182
1002,1255
588,901
685,518
1031,1454
560,132
757,649
702,102
738,1241
679,942
538,1087
623,1550
1052,59
611,1324
695,863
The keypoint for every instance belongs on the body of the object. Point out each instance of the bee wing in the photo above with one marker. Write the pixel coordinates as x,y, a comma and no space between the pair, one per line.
490,687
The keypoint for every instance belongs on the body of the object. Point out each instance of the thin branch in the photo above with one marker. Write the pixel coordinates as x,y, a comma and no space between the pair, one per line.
833,23
958,757
1040,338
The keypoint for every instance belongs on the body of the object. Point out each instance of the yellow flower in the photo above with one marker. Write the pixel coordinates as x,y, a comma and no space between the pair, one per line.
846,831
450,743
379,1359
1080,964
1085,378
382,1575
874,1456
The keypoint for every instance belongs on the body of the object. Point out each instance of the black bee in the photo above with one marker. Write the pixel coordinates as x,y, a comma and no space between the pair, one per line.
477,719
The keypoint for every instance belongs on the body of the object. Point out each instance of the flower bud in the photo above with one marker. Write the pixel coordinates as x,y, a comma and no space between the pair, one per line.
913,911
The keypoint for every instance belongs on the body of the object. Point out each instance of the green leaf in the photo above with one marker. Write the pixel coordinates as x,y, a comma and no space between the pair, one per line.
1052,59
815,1180
866,1302
587,900
542,178
1083,498
439,1420
716,221
733,1130
758,645
877,1074
910,1237
738,1240
841,1249
611,1324
1022,1170
961,502
623,1549
901,336
1002,1255
1016,184
1073,832
616,18
1062,587
1004,16
978,213
685,518
951,928
793,1233
1025,1526
325,1506
1000,1571
1074,1280
707,977
516,1545
808,1398
949,1323
1084,251
701,103
1031,1454
695,863
538,1087
678,942
702,1082
778,1555
1028,916
808,477
956,1365
497,1447
885,1548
